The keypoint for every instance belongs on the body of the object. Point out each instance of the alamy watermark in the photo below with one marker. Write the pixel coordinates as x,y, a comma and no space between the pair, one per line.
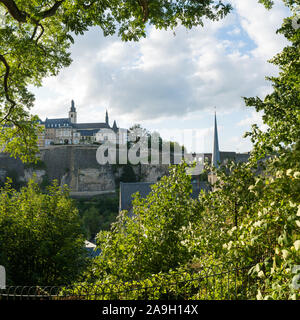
139,148
2,278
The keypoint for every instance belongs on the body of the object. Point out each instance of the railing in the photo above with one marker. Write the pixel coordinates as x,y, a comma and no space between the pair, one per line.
212,283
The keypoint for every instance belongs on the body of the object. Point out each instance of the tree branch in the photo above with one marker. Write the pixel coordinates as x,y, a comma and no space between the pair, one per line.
19,129
14,10
38,38
34,32
5,83
51,12
145,9
22,16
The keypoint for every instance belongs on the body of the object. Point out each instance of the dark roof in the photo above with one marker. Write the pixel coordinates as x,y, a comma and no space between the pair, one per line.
65,122
88,133
128,189
230,155
83,126
54,123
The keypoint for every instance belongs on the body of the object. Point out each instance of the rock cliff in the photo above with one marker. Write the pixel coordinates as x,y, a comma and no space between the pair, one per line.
77,167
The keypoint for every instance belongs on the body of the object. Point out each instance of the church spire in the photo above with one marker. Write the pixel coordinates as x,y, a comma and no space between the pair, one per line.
73,106
216,151
106,118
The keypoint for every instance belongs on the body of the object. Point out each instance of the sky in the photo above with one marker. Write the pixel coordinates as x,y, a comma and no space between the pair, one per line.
173,81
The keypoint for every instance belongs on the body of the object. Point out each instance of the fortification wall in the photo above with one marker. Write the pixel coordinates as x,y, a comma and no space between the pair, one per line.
77,167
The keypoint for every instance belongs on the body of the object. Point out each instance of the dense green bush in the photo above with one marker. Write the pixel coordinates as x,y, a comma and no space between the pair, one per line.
40,236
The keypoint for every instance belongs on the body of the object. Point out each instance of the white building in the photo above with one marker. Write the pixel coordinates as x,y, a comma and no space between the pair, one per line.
68,131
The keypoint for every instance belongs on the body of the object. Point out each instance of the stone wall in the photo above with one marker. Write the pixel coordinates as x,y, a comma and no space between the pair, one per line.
10,164
76,166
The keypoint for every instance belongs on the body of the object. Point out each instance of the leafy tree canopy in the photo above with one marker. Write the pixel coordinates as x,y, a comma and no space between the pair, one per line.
281,107
40,236
152,239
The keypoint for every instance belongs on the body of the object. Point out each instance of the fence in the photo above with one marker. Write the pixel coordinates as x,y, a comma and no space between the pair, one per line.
213,283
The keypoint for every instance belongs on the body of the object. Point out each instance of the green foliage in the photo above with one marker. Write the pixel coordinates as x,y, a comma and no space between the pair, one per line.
40,236
275,224
149,142
152,240
97,214
246,220
268,216
270,233
267,3
224,208
281,107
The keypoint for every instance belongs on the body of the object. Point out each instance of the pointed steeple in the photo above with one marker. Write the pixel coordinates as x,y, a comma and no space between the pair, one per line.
216,151
106,118
115,128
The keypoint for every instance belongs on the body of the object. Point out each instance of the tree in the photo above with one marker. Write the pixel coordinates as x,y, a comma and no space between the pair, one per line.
36,37
281,107
40,236
152,239
276,212
95,219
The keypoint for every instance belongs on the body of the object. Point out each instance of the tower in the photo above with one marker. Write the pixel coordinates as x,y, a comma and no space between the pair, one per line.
73,113
106,118
216,151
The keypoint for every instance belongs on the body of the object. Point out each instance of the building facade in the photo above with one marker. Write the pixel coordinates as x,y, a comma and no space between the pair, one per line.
68,131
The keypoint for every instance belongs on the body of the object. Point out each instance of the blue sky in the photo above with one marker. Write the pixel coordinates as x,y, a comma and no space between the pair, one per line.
171,84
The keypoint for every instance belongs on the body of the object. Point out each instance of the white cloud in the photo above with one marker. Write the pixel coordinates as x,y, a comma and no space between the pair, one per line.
234,32
261,25
164,77
253,118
